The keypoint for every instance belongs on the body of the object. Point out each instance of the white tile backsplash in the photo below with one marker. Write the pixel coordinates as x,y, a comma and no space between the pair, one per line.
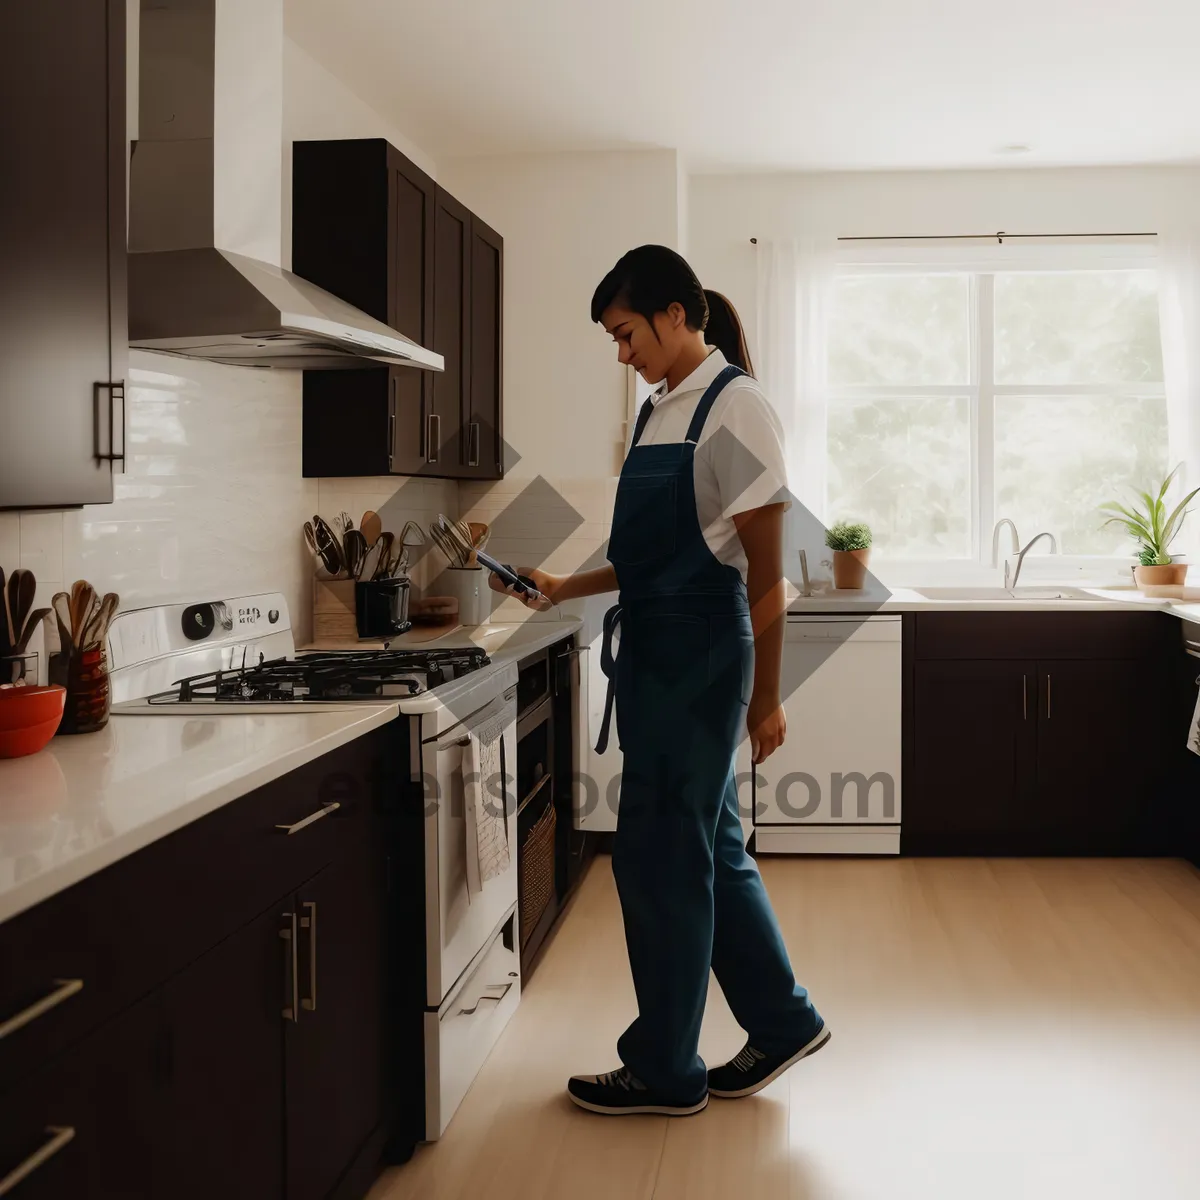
10,541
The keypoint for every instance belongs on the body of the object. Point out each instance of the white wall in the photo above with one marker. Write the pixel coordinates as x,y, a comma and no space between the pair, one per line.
565,219
725,212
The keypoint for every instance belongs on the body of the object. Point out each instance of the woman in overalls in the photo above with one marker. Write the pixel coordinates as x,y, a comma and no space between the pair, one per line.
695,552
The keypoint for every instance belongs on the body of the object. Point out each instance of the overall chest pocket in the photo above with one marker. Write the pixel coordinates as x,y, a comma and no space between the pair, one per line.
643,519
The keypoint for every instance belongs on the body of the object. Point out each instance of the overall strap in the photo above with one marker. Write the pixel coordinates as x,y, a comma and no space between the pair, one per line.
709,398
642,417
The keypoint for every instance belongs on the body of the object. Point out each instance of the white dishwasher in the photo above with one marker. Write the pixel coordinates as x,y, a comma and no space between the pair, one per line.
833,787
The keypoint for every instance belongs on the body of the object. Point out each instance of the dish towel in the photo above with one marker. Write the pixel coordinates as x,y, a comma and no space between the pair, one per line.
485,801
1194,729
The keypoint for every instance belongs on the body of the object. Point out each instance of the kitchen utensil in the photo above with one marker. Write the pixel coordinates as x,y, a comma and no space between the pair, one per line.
6,634
371,560
329,546
61,604
29,718
456,546
310,539
412,534
96,629
22,587
83,596
383,567
345,523
371,526
354,548
34,619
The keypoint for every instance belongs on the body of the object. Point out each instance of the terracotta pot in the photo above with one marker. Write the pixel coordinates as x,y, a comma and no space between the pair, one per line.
850,569
1169,575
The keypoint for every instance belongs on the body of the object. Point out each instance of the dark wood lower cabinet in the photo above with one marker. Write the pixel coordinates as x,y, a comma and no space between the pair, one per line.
1060,741
217,1045
1101,751
333,1060
87,1126
224,1013
975,750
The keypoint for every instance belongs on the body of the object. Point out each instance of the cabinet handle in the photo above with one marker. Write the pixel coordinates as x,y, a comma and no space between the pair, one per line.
309,1003
1047,695
116,392
392,422
433,440
323,811
503,989
64,989
291,1012
1025,697
473,445
59,1136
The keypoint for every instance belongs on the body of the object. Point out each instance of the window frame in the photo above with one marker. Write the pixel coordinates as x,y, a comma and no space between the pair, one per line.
981,264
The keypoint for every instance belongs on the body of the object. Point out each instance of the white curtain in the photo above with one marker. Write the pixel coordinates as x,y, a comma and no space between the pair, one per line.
1179,319
795,286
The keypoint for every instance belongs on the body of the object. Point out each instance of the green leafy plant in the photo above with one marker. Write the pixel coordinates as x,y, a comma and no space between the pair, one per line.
1151,525
847,535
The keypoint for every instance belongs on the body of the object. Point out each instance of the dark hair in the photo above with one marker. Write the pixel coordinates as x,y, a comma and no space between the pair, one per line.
649,280
725,332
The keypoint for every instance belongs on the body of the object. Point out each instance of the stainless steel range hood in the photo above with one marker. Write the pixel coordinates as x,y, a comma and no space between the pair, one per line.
191,291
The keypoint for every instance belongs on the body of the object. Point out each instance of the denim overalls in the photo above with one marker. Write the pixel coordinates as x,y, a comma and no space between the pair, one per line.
691,896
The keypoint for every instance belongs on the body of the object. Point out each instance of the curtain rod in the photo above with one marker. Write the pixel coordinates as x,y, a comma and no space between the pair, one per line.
999,236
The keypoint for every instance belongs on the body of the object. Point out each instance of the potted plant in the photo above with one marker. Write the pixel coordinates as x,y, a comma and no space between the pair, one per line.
1155,529
851,546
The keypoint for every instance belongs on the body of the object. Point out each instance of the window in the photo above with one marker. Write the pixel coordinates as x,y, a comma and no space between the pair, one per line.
960,397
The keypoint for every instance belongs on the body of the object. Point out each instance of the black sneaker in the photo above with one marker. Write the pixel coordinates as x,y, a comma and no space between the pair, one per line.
751,1070
618,1093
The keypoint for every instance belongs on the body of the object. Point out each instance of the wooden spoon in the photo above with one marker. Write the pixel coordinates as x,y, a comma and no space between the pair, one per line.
6,634
97,626
83,596
23,588
62,610
371,526
34,619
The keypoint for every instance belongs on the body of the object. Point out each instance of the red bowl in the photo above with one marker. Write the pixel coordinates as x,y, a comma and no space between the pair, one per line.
16,743
28,707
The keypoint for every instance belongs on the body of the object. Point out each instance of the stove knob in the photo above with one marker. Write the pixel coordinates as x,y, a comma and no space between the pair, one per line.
273,616
198,622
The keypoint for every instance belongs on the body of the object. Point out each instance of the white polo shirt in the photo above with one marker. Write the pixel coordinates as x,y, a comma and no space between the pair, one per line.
739,461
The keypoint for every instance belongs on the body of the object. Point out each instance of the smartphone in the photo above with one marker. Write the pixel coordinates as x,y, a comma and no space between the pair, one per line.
519,583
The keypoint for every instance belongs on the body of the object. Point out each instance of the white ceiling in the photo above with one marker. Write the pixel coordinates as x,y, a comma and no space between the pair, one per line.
777,84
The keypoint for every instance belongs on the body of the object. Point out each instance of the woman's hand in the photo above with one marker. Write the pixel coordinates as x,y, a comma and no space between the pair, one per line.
547,584
767,724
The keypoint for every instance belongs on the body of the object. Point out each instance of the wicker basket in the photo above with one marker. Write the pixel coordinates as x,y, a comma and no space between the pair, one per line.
537,872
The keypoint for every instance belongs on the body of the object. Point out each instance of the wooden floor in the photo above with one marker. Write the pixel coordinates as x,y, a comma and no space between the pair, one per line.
1014,1029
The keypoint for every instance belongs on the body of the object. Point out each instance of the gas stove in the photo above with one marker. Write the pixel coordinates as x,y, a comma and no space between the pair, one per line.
238,655
328,675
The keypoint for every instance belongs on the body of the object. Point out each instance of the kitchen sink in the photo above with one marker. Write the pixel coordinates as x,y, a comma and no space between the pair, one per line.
1015,595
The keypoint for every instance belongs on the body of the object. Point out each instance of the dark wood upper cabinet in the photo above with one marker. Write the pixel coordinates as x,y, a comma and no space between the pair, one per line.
371,227
483,426
63,325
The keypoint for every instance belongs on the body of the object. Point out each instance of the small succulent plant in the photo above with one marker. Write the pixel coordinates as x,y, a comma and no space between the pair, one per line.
1152,525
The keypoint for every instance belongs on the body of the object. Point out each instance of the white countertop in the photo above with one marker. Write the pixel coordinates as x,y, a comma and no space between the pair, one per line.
1040,597
88,800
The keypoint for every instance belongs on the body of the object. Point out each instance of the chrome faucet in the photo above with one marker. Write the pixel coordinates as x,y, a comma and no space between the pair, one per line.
1016,539
1037,537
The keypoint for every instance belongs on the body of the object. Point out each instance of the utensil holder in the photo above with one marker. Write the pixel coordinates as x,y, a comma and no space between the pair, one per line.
469,586
19,669
84,673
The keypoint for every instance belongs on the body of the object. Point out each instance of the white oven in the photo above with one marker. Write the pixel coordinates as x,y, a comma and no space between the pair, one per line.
472,959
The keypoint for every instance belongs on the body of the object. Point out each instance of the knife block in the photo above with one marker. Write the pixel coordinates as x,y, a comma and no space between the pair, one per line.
333,610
